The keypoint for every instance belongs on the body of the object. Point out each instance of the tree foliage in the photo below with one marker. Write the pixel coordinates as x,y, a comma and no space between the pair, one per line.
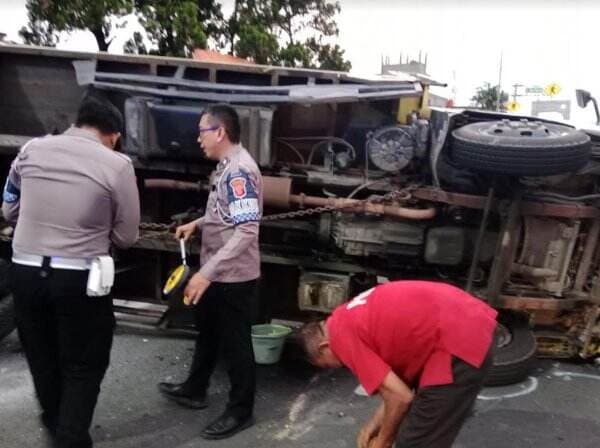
486,97
136,44
293,33
46,17
38,31
173,27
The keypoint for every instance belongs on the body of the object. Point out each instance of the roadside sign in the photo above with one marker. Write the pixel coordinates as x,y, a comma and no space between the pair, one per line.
552,89
534,90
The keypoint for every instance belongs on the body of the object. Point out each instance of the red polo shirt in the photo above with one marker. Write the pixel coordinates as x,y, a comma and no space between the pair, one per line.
413,328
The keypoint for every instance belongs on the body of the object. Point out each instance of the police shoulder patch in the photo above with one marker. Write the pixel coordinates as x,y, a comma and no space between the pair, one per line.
242,198
11,193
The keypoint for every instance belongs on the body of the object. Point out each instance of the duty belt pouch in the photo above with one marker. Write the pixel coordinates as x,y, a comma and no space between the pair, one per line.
101,276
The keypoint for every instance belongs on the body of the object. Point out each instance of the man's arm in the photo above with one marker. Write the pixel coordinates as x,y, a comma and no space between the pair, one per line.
245,213
126,209
397,398
371,428
243,235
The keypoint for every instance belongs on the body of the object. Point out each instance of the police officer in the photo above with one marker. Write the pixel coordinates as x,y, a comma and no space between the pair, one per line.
71,196
223,290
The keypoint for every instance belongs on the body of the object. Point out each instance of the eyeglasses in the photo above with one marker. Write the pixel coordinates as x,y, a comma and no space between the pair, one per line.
214,128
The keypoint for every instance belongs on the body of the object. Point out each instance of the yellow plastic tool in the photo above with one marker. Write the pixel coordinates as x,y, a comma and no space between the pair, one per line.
179,276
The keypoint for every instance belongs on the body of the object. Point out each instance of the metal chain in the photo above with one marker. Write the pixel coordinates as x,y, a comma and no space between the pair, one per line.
401,195
299,213
156,227
396,195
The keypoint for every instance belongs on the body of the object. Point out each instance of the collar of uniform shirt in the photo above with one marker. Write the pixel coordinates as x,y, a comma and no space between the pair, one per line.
229,154
83,133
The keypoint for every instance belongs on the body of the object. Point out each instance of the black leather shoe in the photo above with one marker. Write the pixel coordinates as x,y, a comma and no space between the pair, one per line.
226,426
177,393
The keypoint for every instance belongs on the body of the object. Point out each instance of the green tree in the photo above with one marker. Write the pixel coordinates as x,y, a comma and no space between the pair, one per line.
46,17
211,18
486,97
38,32
136,44
273,32
256,43
176,27
329,57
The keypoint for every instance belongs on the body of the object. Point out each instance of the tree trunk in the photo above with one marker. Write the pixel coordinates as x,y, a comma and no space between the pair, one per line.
232,33
100,39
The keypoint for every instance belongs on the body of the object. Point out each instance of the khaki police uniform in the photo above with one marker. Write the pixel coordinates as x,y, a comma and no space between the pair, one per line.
230,259
71,198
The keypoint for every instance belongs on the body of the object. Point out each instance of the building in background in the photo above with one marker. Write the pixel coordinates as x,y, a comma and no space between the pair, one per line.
416,69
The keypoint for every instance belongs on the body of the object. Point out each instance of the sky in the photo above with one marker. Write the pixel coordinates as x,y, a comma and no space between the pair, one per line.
541,41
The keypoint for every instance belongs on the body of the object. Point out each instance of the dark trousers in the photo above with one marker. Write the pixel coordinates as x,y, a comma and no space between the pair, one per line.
437,413
67,337
224,318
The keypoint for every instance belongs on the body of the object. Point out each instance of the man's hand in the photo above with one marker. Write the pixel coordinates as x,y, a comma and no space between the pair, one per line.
397,398
370,429
378,442
366,434
186,231
195,289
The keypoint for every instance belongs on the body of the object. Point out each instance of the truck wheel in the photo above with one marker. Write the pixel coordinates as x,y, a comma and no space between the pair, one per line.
7,306
520,148
515,351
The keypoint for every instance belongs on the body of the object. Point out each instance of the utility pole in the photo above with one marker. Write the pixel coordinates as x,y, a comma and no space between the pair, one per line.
515,89
499,84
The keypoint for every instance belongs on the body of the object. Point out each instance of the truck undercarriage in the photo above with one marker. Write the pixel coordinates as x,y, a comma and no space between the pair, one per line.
363,182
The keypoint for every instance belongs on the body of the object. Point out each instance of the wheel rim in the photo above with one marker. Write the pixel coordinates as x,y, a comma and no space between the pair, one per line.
503,336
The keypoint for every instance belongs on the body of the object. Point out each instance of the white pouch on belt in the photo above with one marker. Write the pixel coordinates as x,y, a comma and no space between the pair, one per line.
101,276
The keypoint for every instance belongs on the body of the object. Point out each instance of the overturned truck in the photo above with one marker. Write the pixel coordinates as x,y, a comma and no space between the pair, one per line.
364,182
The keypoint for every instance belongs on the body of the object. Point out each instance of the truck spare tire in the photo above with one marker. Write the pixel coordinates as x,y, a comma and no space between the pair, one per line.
515,351
520,148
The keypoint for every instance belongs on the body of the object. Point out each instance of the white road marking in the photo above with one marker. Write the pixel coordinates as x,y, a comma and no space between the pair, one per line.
526,389
576,375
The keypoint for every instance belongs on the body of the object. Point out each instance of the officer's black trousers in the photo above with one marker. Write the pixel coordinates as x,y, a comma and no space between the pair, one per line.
67,337
224,318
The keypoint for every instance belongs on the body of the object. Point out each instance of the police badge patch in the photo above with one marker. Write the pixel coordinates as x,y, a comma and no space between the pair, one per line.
242,198
11,193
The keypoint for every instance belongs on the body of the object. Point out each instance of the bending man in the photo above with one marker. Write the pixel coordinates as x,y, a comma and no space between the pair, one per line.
425,347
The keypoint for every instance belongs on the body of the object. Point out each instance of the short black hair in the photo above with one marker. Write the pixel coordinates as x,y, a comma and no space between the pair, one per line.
99,113
309,337
228,118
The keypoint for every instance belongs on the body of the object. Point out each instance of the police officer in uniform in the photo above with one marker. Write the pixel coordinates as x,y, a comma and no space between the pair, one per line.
71,196
223,290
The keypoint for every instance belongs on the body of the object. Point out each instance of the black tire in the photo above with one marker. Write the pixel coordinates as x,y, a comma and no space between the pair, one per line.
515,351
520,148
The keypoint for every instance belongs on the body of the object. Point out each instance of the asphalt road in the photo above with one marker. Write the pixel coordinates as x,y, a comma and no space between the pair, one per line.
558,406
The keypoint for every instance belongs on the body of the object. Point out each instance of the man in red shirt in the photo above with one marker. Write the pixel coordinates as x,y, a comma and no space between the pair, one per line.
425,347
